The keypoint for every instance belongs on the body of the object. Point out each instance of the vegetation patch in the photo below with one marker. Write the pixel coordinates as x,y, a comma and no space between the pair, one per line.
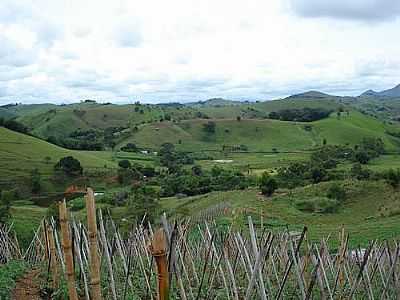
8,274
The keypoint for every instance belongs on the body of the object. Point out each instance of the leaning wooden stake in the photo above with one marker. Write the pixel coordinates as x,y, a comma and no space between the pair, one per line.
94,255
158,250
67,247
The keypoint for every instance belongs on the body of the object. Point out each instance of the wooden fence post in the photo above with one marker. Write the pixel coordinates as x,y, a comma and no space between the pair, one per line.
94,255
67,247
158,250
53,256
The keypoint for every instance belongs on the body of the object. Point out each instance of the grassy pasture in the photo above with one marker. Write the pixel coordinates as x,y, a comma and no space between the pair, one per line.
360,214
263,135
20,153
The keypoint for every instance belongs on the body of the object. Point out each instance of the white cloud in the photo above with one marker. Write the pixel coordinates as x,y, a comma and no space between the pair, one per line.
366,10
188,50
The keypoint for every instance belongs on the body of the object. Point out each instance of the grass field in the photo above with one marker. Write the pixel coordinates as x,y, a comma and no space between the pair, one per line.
20,153
258,162
360,215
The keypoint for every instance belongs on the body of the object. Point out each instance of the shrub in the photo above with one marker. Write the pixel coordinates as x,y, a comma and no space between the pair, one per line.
393,177
336,192
318,174
267,184
209,127
8,274
130,147
77,204
360,173
317,204
124,164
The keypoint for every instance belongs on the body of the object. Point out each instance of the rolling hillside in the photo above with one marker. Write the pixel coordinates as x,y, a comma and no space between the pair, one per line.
263,135
60,121
262,109
363,217
20,153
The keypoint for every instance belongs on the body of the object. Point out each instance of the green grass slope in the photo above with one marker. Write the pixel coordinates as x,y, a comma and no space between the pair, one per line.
352,129
20,153
60,121
371,210
263,135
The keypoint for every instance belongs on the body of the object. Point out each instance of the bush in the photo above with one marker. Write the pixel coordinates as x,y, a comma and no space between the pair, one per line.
267,184
317,204
360,173
77,204
69,166
130,147
209,127
124,164
393,177
8,274
336,192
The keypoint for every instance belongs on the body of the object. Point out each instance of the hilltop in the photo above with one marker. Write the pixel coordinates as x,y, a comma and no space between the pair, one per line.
389,93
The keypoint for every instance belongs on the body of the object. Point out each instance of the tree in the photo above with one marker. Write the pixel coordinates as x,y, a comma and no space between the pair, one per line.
197,170
35,181
124,164
47,159
362,157
318,174
238,118
209,127
267,184
5,203
142,205
70,166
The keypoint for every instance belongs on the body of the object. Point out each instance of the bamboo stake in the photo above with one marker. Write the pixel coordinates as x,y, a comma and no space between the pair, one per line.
66,243
158,249
107,254
52,257
94,255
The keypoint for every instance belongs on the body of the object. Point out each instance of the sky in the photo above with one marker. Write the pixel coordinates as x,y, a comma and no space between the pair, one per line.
188,50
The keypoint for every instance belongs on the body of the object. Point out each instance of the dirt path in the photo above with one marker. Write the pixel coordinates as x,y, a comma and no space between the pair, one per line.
28,286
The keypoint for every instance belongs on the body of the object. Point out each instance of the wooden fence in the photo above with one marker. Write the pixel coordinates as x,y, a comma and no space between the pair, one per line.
194,261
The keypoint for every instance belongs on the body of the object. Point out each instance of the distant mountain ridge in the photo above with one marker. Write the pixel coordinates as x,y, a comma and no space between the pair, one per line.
215,102
390,93
311,95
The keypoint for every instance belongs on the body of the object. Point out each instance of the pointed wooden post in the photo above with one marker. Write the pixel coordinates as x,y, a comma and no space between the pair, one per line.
67,247
53,257
94,255
158,250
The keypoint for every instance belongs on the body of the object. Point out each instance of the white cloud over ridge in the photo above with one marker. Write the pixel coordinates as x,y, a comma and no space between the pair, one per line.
158,51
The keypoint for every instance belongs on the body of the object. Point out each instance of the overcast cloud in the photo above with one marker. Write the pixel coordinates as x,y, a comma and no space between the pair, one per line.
186,50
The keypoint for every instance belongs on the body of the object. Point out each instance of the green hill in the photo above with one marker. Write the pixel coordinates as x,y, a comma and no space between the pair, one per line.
20,153
263,135
60,121
262,109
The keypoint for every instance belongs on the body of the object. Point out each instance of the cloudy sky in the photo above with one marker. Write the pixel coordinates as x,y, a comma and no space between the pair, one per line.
185,50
